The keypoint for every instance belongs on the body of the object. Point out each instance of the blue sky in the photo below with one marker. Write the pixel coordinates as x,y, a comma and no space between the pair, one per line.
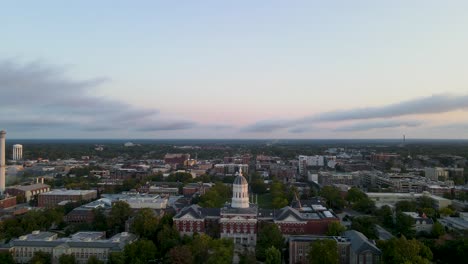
239,69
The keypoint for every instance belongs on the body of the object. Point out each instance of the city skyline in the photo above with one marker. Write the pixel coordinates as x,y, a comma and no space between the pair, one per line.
234,70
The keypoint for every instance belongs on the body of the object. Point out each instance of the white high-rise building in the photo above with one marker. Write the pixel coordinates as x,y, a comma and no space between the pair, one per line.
17,152
2,161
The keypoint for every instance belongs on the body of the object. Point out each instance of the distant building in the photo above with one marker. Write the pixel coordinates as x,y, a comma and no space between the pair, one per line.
7,201
54,197
384,157
239,220
436,173
28,191
231,168
353,248
17,152
176,160
82,245
455,223
421,222
391,199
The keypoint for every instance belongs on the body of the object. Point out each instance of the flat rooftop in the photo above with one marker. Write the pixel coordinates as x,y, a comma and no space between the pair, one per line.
69,192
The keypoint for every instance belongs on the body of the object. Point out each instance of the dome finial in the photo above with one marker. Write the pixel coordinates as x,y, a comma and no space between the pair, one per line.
240,171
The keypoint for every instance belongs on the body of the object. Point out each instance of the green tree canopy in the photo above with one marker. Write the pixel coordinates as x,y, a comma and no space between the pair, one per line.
354,195
216,196
268,236
401,250
140,252
41,257
67,259
273,256
323,251
180,255
333,197
94,260
6,258
119,214
365,225
404,225
335,229
145,224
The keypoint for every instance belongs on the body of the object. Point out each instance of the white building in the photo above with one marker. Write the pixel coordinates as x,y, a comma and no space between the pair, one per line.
82,245
391,199
17,152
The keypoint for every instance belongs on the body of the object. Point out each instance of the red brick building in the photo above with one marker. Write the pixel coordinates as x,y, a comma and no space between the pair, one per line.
52,198
7,202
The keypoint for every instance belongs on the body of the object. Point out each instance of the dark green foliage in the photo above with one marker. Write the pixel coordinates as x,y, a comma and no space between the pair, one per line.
401,250
119,213
6,258
385,216
208,250
333,197
94,260
278,194
324,251
273,256
145,224
140,251
180,177
216,197
67,259
41,257
354,195
365,225
269,235
437,230
335,229
452,251
180,255
404,225
405,206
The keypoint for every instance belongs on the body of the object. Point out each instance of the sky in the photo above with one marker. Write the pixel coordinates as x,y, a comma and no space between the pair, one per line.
234,69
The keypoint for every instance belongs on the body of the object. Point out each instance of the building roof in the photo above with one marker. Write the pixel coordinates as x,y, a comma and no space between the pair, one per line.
240,180
68,192
360,243
31,187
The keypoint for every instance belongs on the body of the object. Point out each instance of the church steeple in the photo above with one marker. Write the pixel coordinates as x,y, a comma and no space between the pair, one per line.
240,192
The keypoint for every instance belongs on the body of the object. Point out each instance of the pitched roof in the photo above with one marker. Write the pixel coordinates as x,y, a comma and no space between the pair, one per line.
360,243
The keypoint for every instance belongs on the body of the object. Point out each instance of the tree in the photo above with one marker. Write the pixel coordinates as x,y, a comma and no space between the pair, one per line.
140,251
6,258
258,186
354,195
385,216
273,256
222,251
405,206
335,229
323,251
67,259
365,225
116,258
180,255
41,257
145,223
365,205
118,215
167,238
94,260
437,230
333,197
216,196
269,235
401,250
404,225
100,220
446,211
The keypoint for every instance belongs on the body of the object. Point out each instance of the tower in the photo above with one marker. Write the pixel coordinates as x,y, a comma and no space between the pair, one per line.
2,161
240,192
17,152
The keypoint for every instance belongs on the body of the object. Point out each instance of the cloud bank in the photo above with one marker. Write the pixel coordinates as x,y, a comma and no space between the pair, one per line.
435,104
39,96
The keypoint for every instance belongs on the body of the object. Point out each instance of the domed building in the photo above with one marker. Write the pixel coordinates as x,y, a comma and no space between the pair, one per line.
239,221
